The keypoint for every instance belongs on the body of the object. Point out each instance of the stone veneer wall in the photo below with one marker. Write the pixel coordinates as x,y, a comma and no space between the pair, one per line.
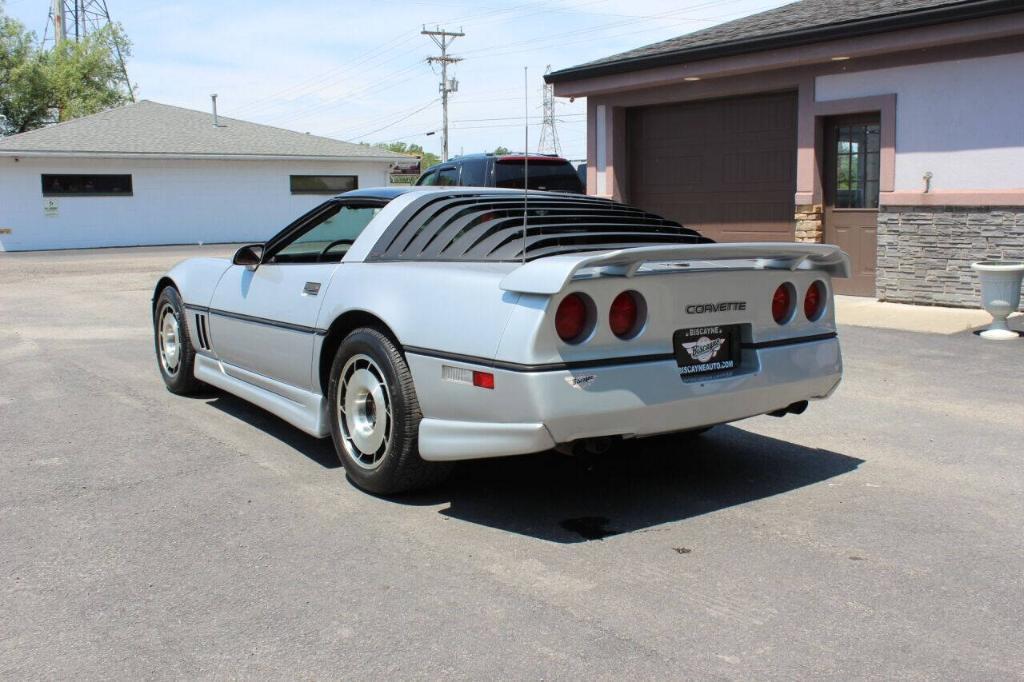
925,252
808,219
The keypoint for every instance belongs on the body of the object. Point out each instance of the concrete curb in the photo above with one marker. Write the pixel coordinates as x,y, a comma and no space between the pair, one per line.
866,312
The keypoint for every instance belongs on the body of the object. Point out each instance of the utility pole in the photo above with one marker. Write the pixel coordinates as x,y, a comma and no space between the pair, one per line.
548,133
59,27
76,19
443,39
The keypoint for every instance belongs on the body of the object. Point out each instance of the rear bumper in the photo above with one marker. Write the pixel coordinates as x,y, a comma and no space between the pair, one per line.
534,411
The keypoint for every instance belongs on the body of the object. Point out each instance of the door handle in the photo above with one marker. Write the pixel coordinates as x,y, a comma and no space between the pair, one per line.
311,288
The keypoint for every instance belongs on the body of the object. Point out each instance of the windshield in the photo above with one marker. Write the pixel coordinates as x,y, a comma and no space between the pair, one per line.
328,239
559,176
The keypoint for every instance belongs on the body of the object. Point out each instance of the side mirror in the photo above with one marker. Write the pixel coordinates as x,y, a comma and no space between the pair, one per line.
249,256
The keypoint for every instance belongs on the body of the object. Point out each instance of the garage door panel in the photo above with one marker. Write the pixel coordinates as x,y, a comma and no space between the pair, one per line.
772,167
724,167
689,125
692,214
671,171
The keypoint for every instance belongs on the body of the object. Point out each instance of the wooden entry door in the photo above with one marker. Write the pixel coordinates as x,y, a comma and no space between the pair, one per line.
853,154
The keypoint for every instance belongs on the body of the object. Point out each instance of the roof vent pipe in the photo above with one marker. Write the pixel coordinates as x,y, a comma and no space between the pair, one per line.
216,123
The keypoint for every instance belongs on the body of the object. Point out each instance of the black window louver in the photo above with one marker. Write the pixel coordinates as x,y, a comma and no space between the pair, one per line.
489,227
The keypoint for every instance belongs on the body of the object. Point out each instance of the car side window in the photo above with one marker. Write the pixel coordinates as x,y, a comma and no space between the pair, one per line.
448,176
474,172
429,178
328,238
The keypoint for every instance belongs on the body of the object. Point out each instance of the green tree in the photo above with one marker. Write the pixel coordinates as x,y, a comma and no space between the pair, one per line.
24,100
501,151
427,159
75,78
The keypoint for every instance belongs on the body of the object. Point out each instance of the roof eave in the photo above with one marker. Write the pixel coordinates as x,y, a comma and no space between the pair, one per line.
48,153
807,36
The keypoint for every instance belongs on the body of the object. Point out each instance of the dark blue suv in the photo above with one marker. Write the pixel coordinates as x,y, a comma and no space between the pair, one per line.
489,170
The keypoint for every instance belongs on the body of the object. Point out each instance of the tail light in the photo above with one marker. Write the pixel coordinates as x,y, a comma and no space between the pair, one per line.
625,316
782,303
814,301
571,318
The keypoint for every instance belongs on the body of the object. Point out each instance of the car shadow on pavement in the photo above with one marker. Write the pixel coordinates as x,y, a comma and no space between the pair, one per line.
637,486
320,450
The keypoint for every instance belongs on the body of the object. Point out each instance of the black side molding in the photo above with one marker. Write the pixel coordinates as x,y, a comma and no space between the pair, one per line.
589,364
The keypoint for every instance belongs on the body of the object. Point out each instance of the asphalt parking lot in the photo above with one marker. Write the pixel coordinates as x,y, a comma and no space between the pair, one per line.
144,535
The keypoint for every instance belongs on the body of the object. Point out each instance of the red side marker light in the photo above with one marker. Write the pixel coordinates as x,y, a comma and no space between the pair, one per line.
483,380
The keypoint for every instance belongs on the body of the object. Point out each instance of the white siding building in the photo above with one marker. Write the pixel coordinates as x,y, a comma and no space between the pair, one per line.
149,173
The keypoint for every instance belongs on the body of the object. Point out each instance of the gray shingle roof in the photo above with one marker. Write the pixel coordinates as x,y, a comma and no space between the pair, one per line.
151,128
797,23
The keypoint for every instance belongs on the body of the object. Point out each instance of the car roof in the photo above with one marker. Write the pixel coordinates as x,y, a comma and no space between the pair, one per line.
491,155
386,193
390,193
486,155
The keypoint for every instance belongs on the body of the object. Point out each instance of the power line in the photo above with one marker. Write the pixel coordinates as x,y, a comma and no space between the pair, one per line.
316,82
558,38
330,102
443,39
393,123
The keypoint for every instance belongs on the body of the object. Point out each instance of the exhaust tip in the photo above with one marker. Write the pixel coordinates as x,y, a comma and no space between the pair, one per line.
793,408
797,407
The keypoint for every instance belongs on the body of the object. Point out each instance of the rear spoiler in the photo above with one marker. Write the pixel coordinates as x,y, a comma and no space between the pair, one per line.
550,275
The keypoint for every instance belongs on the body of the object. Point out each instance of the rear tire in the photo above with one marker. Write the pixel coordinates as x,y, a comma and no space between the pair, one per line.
174,353
375,417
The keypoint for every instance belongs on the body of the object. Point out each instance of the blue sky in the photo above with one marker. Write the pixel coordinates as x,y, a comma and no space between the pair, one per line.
356,70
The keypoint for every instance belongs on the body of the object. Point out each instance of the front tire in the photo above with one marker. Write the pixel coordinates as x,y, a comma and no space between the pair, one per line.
375,417
174,353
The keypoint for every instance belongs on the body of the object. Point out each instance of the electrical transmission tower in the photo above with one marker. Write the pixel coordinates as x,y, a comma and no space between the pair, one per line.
443,39
75,19
549,133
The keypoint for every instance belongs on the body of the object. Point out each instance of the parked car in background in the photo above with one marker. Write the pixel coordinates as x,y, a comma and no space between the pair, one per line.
581,171
421,326
545,172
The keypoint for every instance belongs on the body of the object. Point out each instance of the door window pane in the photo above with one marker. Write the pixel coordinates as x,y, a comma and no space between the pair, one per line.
473,172
448,176
344,224
857,154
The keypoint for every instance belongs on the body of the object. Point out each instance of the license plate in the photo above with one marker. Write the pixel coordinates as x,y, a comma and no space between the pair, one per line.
703,350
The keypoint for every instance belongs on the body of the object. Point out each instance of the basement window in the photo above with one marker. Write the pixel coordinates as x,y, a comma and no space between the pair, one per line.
323,184
93,185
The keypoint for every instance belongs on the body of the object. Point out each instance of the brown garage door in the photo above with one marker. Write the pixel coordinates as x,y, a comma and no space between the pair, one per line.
724,167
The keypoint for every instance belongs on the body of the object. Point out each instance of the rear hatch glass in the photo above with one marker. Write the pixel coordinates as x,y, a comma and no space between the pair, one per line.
544,174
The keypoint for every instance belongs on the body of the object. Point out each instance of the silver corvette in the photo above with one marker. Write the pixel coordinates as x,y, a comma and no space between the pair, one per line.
421,326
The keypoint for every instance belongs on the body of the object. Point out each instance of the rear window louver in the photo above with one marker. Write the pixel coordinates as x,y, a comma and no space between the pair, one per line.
489,227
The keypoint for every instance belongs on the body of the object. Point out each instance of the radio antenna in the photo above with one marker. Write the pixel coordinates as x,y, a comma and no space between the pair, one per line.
526,153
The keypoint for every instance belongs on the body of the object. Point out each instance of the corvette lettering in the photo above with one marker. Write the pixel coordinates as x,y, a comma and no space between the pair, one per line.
698,308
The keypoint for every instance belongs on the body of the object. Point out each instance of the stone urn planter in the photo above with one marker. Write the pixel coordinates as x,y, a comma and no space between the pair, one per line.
1000,294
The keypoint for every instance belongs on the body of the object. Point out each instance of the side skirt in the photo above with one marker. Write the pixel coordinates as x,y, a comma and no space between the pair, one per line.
300,408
